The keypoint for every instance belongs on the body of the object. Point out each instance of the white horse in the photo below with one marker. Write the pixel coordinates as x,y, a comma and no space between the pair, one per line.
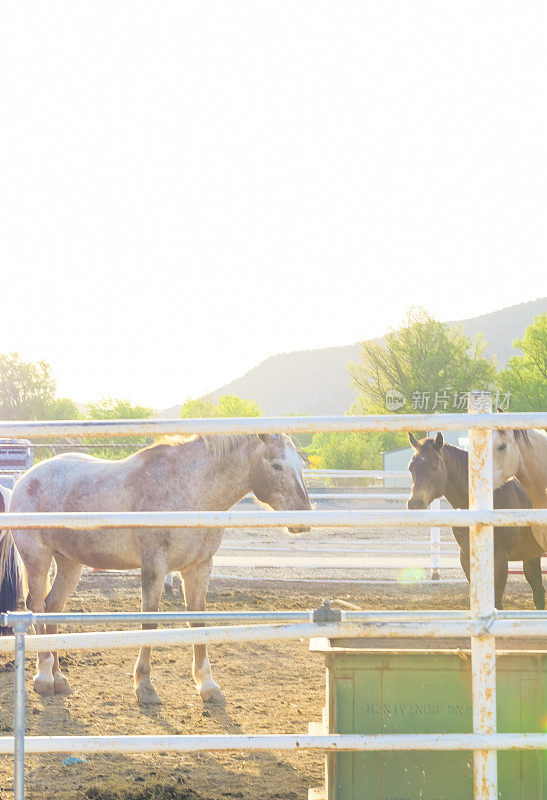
523,455
200,473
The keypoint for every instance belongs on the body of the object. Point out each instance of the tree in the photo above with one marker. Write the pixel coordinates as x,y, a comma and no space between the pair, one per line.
229,405
198,409
64,408
426,366
524,379
115,408
430,365
342,451
351,450
28,391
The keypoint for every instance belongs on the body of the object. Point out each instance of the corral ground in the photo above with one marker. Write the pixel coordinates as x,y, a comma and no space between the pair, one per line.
270,688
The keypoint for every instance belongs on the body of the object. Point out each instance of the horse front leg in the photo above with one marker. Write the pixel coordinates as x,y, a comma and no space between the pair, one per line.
66,580
195,583
152,587
532,573
37,566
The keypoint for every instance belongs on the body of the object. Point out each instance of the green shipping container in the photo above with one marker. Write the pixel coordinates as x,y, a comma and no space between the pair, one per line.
427,691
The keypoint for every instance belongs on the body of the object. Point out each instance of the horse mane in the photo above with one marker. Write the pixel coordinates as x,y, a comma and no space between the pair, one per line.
219,445
520,433
455,456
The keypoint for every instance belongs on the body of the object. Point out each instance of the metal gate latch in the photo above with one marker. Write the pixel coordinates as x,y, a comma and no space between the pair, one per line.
326,613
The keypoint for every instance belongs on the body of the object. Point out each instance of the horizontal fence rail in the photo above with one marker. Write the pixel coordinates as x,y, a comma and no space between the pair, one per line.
365,624
275,519
356,424
377,496
377,474
319,743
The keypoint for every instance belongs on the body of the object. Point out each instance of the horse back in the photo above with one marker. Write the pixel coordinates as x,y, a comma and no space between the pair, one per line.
73,482
512,494
518,541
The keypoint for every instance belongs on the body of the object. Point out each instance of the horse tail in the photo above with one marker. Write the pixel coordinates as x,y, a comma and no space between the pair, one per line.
12,576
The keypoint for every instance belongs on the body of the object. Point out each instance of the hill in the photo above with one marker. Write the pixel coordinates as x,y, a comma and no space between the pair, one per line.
317,382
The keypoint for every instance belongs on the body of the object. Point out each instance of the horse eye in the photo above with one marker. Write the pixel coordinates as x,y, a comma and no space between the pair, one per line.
277,466
502,447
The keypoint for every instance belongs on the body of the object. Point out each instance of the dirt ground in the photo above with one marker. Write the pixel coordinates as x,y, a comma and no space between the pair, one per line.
270,688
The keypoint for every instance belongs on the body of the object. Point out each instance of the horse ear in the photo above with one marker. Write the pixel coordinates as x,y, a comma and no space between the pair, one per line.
269,438
439,441
413,441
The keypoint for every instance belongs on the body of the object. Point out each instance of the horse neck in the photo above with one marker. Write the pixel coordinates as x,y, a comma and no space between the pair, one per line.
222,480
532,471
457,486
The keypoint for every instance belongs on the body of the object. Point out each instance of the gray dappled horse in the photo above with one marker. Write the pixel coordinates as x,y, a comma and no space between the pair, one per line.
194,474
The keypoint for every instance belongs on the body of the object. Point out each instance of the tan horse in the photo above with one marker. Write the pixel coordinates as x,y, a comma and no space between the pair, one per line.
201,473
523,454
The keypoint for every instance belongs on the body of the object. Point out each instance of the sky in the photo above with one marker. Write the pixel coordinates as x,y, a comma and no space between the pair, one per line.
187,188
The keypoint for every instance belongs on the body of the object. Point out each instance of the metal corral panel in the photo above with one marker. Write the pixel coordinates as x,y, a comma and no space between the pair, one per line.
16,454
418,691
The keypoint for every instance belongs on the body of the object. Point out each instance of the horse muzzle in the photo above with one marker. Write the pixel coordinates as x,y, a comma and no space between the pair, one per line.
414,503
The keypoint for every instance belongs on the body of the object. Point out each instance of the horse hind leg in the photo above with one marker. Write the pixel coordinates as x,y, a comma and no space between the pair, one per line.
196,582
532,573
66,580
464,561
501,567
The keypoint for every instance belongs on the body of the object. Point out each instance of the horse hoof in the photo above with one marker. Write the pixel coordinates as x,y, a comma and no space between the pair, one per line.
44,688
147,696
61,685
213,697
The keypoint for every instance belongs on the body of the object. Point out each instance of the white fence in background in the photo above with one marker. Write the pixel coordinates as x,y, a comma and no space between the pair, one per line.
482,623
297,555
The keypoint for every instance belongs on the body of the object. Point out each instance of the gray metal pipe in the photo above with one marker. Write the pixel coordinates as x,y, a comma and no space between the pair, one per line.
19,714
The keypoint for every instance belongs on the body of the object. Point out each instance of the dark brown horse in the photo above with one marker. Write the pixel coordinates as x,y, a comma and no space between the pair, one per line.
438,470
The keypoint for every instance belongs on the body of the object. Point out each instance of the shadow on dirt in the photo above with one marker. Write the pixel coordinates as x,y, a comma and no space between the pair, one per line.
154,791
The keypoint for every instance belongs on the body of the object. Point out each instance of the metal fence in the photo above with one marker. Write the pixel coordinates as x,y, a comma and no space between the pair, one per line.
482,623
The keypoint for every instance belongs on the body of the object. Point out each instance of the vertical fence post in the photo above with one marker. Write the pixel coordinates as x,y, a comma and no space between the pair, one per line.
19,712
481,590
435,543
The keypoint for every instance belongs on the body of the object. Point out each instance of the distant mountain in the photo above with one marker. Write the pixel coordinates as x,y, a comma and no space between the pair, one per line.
317,381
501,328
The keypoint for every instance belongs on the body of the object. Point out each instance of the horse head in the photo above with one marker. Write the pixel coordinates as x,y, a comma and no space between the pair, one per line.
427,470
276,476
506,455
